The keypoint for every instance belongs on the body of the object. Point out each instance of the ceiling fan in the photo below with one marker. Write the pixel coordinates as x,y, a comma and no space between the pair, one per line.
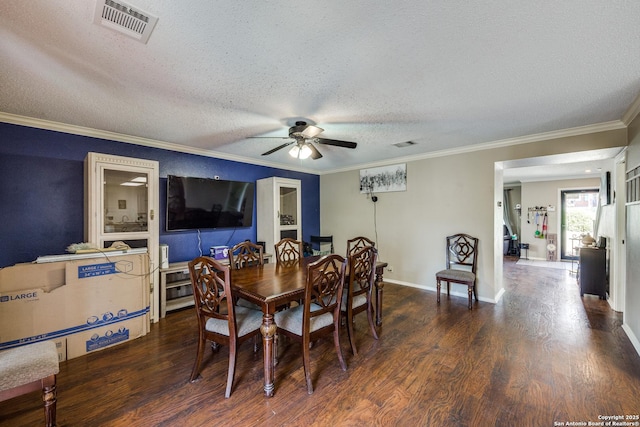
303,134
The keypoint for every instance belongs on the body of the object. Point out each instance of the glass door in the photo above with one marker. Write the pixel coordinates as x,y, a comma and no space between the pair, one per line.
126,201
288,206
289,211
579,208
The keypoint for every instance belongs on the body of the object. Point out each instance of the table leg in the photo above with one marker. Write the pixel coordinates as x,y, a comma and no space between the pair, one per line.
379,285
268,330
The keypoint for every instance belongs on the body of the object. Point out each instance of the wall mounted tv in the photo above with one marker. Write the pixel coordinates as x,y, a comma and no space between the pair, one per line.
201,203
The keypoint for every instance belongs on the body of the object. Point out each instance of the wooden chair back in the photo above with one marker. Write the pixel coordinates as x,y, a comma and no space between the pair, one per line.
245,254
357,243
362,276
325,284
462,252
211,284
288,250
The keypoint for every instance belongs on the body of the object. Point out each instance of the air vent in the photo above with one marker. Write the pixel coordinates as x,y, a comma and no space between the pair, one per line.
125,19
405,144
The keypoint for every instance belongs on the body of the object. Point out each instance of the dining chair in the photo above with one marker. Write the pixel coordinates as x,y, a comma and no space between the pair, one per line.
245,254
219,320
288,251
317,243
319,315
462,260
357,295
357,243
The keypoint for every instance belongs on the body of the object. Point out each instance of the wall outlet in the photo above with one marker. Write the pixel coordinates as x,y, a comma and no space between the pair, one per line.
389,268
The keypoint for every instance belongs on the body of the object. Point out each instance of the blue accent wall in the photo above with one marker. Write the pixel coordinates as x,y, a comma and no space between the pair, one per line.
42,186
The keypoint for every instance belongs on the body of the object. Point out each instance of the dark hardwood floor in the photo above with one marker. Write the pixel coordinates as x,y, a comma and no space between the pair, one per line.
542,355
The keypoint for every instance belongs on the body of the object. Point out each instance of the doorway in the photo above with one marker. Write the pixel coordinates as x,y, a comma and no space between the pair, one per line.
578,215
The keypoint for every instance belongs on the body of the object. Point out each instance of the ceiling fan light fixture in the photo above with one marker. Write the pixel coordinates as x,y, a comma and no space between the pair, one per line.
300,151
305,151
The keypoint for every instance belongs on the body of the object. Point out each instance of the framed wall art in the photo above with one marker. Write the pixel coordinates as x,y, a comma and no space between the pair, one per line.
383,179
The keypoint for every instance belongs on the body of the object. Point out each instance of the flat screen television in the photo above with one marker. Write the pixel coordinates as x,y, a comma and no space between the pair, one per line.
203,203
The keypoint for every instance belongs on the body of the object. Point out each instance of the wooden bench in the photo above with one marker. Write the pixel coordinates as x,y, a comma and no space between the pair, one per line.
29,368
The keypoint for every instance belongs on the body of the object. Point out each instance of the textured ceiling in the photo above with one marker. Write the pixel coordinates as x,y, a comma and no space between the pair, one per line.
445,74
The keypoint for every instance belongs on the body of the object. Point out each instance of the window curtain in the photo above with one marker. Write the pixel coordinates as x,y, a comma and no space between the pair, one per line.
508,214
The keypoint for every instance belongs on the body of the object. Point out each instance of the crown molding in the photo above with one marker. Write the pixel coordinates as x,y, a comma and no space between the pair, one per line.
129,139
538,137
632,112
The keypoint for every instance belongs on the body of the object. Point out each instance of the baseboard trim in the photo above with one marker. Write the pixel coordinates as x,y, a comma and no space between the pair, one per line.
453,292
632,337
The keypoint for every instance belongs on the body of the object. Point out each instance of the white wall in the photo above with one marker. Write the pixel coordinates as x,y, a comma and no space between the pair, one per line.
445,195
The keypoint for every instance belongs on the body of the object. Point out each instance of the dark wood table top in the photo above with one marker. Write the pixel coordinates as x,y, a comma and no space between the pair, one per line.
272,284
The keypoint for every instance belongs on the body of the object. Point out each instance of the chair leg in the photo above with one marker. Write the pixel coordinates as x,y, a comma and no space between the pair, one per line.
370,319
307,366
336,341
470,295
49,396
351,333
232,368
438,291
196,366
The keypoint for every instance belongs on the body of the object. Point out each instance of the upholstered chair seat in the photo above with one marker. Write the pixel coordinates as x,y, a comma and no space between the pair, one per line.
29,368
247,321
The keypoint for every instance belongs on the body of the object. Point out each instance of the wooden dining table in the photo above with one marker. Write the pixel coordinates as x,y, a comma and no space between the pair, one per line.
274,285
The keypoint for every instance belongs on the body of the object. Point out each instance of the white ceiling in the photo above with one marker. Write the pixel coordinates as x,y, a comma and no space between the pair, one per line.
444,74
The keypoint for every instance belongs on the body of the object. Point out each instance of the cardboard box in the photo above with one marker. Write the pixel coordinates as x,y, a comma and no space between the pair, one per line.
219,252
32,276
103,301
91,340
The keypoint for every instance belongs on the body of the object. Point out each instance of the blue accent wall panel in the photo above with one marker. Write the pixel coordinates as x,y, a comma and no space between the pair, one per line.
42,201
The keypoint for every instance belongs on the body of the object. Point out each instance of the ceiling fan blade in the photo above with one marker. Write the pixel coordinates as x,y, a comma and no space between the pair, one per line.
311,131
277,148
337,143
315,154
